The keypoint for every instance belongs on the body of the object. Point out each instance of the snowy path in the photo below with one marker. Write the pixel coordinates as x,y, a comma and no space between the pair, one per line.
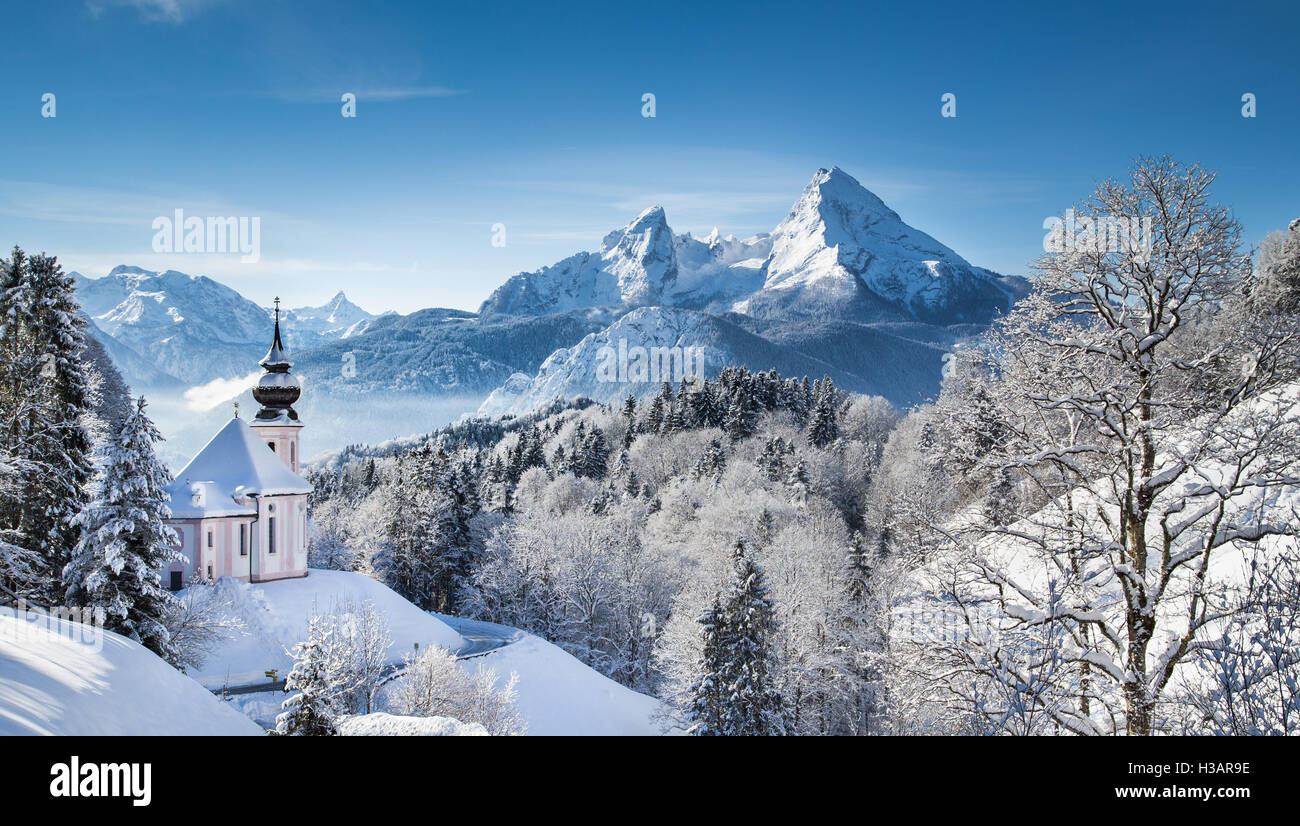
480,638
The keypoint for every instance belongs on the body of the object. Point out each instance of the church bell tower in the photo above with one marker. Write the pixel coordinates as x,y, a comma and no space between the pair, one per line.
277,423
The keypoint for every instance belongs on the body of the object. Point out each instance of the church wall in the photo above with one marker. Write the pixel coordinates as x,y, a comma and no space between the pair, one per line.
285,439
186,529
224,558
290,558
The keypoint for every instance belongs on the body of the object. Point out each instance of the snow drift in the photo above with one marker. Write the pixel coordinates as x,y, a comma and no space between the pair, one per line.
558,695
55,682
275,617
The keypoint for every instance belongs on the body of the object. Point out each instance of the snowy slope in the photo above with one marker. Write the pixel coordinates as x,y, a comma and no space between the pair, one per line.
698,341
715,271
54,683
559,696
634,266
276,613
841,252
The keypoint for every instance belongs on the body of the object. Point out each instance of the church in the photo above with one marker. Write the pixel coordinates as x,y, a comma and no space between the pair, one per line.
239,506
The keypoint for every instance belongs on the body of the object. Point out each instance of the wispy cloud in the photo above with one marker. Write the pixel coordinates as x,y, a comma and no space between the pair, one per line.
207,396
153,11
62,203
365,93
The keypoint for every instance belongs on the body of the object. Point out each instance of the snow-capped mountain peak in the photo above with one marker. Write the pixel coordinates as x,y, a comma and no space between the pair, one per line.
642,257
840,230
635,266
336,318
841,251
337,311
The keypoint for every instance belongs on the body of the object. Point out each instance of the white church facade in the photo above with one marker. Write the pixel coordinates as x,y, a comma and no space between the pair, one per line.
239,506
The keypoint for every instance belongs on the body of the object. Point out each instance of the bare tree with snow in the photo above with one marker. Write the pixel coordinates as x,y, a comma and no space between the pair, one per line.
1150,439
434,685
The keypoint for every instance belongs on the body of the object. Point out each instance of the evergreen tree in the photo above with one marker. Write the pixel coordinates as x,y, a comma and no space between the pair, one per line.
855,632
629,420
798,482
736,694
1002,503
755,705
402,558
654,419
800,400
708,713
309,712
772,459
764,529
823,426
18,565
467,478
45,402
531,453
125,542
448,546
742,417
595,454
711,462
708,411
674,421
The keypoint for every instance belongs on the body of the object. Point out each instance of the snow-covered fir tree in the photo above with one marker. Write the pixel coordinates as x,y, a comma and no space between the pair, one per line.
310,710
741,415
45,399
823,428
736,693
708,715
125,541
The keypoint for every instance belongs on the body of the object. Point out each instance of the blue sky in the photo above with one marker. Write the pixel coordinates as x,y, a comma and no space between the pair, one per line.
472,114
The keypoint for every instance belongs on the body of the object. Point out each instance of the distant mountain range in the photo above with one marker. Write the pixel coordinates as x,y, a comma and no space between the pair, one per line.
841,287
168,327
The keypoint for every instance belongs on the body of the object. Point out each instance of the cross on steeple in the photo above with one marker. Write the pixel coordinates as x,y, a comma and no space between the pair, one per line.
277,308
236,410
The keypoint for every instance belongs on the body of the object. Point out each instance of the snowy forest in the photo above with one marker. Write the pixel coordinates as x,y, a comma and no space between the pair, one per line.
1090,531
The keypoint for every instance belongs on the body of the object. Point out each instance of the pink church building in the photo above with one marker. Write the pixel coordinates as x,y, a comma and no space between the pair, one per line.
239,506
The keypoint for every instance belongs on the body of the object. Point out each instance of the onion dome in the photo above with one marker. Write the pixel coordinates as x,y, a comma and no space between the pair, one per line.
277,390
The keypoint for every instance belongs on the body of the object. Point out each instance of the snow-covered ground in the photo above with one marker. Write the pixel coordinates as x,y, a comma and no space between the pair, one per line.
380,724
54,680
51,683
558,695
275,617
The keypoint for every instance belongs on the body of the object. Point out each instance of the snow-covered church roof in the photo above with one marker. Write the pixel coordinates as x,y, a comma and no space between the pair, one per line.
233,465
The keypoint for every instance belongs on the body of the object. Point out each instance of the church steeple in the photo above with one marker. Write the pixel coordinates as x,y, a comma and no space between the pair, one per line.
277,390
276,359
